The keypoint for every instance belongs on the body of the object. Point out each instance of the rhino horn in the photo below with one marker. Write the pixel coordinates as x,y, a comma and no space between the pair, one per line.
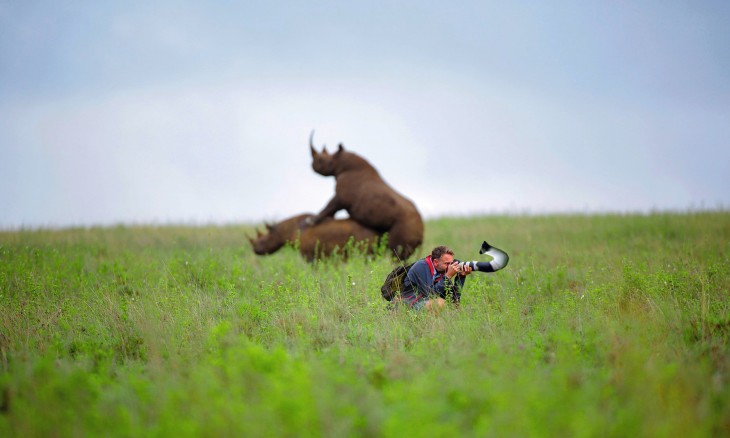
311,143
311,146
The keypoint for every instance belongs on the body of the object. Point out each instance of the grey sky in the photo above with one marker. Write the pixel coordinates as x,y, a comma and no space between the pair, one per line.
200,112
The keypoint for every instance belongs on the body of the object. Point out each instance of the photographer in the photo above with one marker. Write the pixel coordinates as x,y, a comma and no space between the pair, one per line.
432,280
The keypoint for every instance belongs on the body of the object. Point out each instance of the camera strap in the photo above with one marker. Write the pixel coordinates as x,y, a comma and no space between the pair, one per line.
435,276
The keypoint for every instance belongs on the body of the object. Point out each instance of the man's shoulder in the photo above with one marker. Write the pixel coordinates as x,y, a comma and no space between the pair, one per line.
419,265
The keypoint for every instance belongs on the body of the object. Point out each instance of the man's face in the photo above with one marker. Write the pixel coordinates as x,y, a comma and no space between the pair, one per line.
442,263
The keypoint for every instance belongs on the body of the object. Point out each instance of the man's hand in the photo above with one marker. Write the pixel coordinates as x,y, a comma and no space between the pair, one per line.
466,271
452,270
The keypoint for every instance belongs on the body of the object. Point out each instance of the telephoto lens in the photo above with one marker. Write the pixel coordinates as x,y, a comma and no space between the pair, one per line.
476,266
499,260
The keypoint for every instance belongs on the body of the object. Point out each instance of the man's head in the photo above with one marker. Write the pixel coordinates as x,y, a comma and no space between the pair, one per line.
442,257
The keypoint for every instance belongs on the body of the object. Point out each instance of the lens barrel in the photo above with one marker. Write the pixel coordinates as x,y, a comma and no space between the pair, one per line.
476,266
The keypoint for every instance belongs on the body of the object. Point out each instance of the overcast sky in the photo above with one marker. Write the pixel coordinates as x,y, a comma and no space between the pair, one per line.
195,112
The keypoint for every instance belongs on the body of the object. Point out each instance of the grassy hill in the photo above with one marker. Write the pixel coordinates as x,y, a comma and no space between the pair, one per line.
610,325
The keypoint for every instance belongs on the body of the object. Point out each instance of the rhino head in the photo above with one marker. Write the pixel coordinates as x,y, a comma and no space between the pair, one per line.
324,163
279,234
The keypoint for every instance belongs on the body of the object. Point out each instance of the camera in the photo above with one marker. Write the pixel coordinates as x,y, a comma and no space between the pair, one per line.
499,260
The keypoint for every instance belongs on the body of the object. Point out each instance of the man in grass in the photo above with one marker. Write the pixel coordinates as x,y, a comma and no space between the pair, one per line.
433,280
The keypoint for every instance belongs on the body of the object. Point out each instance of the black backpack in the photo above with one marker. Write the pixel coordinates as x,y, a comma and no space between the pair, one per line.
393,284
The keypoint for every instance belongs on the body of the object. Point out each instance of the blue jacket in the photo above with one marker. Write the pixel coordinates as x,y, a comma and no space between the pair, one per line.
422,280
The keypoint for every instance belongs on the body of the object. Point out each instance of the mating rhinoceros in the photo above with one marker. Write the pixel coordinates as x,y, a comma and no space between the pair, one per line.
368,199
315,241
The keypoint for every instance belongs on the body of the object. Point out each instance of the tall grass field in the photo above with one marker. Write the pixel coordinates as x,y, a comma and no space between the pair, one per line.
601,325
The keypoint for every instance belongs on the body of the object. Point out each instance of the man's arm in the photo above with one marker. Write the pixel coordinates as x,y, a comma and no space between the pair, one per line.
419,279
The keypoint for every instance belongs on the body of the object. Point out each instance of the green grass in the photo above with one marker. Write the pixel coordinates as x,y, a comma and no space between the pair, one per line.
606,325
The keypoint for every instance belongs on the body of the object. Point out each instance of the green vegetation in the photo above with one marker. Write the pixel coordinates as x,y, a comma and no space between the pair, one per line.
605,325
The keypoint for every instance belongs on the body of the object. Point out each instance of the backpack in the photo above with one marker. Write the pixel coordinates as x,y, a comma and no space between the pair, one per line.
393,284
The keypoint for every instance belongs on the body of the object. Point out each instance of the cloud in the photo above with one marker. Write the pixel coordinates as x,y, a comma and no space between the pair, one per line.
188,113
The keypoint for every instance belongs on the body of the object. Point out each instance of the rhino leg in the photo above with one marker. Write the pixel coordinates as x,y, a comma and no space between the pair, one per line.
329,210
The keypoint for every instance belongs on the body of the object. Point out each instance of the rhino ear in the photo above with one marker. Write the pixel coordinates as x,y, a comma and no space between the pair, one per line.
340,148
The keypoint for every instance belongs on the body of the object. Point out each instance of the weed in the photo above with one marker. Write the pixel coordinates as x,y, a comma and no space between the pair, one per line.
601,325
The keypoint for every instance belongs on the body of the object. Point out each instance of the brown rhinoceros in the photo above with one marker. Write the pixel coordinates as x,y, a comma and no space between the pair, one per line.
315,241
368,199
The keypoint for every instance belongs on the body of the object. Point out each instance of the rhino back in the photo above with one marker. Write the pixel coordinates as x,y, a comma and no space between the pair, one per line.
373,203
333,233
